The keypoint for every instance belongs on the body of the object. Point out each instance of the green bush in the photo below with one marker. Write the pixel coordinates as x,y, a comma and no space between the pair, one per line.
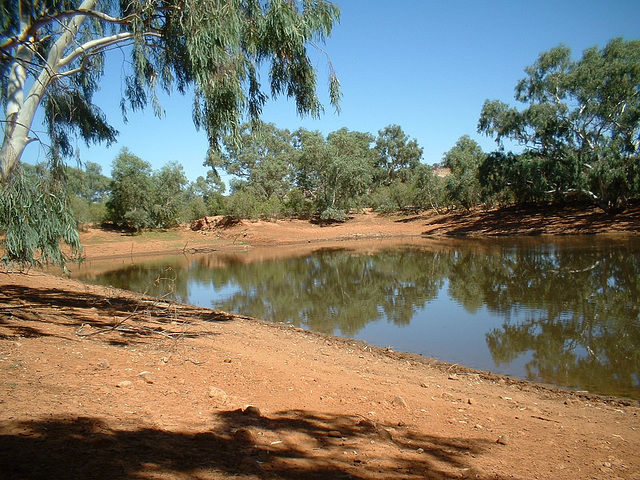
88,213
272,208
296,205
242,204
332,214
194,209
137,219
382,201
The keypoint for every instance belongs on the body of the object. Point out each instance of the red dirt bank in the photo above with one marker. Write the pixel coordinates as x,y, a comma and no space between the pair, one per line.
100,383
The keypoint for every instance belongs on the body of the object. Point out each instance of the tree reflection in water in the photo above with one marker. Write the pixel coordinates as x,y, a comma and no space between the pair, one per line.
573,306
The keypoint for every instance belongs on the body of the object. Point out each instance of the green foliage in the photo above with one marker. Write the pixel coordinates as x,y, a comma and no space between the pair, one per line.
326,177
397,156
88,213
464,160
396,161
35,215
334,173
430,189
216,46
194,209
136,219
582,121
296,205
262,157
399,196
88,190
70,112
332,214
141,198
88,183
204,197
131,191
272,209
52,55
168,186
243,204
507,178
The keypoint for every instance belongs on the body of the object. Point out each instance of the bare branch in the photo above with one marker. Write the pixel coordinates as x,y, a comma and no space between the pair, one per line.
94,46
31,30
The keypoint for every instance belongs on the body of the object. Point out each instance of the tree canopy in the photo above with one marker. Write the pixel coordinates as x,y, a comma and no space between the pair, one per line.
582,119
52,55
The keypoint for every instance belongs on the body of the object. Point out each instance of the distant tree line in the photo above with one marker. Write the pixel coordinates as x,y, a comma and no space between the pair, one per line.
578,138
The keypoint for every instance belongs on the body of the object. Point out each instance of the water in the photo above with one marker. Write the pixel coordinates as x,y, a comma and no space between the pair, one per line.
565,312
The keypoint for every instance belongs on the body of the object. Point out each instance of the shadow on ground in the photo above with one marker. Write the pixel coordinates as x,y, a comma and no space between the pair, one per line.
295,444
28,312
560,219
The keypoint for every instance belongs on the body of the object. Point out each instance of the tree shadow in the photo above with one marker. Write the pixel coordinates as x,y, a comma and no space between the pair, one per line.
294,444
536,219
413,218
24,312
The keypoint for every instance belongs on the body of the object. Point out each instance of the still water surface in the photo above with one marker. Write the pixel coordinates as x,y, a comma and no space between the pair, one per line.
565,312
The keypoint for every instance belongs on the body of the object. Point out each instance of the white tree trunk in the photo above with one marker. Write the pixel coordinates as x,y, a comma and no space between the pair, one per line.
20,111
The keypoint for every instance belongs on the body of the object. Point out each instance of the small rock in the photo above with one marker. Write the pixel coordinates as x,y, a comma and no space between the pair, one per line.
334,434
366,424
399,402
217,394
384,434
503,440
124,384
251,410
146,376
244,435
470,401
104,364
453,376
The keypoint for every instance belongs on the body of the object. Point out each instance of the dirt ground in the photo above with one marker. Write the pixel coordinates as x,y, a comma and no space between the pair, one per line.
98,383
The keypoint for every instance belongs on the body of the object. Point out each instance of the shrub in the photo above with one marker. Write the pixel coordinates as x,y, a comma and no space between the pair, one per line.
242,204
333,214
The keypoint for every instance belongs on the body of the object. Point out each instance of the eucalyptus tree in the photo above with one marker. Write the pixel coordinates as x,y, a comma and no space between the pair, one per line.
397,156
396,161
333,173
88,183
52,56
261,157
88,189
464,160
168,195
429,189
508,178
582,118
130,199
205,196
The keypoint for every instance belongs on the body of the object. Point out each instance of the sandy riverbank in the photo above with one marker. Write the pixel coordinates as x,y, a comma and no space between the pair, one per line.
101,383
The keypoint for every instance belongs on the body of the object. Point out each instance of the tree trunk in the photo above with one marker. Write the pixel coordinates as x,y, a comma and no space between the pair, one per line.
16,131
20,112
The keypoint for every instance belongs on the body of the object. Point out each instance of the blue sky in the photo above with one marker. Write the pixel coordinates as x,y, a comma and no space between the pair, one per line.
425,65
